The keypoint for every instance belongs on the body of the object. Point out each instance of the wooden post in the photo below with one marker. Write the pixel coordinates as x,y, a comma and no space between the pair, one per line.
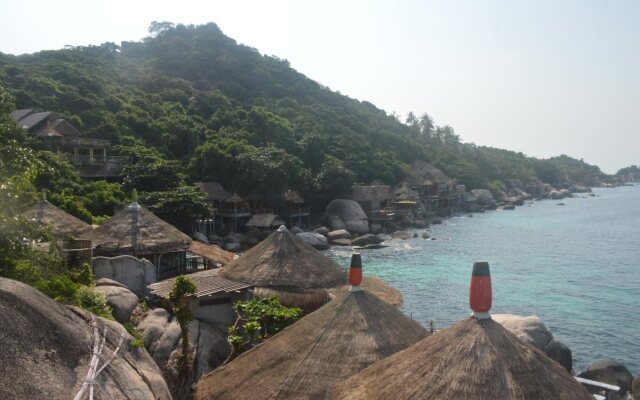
91,155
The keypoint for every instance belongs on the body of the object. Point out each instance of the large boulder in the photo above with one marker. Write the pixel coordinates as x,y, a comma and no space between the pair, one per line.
338,234
341,242
350,214
400,235
533,330
366,240
201,237
295,230
46,348
635,388
483,197
556,195
122,300
315,240
323,230
611,372
162,337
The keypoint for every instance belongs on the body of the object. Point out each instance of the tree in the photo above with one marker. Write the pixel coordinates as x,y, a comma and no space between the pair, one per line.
179,301
181,207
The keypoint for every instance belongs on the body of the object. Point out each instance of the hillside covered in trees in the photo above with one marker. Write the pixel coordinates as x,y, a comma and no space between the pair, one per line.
188,103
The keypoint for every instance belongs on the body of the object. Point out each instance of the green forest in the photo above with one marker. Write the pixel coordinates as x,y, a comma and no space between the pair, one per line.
188,103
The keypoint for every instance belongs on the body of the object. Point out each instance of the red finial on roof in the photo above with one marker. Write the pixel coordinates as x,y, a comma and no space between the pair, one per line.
480,296
355,272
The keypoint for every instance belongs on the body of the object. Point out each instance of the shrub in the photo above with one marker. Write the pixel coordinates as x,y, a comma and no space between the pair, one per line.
94,301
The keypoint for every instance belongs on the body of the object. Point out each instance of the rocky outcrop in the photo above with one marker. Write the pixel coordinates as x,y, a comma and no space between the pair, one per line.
611,372
338,234
315,240
531,329
365,240
121,300
347,214
162,338
323,230
45,352
400,235
341,242
483,196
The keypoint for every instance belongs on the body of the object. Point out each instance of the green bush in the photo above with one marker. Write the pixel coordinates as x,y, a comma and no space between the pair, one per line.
61,288
94,301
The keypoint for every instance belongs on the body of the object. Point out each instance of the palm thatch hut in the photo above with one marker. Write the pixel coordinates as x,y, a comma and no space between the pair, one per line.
135,231
63,225
310,357
211,255
265,221
283,265
476,359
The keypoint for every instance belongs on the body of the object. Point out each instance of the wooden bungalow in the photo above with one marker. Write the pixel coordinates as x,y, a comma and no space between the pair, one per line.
437,189
216,194
265,222
294,210
214,297
476,358
285,266
375,201
135,231
405,199
206,256
235,212
88,155
309,358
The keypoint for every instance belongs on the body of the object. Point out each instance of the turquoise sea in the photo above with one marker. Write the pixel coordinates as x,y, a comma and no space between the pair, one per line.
576,266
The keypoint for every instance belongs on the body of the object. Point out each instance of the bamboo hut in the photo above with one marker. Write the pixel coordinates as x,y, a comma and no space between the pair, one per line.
476,359
63,225
310,357
283,265
135,231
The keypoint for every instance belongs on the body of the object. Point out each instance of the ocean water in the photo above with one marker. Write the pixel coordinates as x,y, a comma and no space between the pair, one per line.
576,266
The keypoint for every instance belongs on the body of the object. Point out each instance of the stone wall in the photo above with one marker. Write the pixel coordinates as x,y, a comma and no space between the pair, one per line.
132,272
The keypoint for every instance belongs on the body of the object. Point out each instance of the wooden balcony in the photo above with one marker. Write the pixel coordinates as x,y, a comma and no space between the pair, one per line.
98,166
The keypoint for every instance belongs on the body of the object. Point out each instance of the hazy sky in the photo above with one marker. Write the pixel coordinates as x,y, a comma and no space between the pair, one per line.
541,77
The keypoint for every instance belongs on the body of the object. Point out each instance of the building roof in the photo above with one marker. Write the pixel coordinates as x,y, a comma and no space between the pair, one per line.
19,114
265,221
309,358
211,253
473,359
33,119
403,191
214,190
293,196
135,230
207,282
371,193
63,225
425,174
234,199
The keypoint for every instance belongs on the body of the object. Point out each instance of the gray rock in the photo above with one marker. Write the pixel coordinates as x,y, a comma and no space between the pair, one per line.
45,352
566,192
559,352
341,242
366,239
122,301
483,196
200,237
316,240
424,235
376,228
109,282
153,326
508,207
556,195
400,235
232,246
295,230
611,372
339,234
350,213
335,223
530,329
323,230
635,388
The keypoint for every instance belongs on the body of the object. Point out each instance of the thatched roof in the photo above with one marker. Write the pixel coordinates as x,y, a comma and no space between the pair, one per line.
284,261
307,359
473,359
135,230
233,199
207,283
403,191
425,174
375,286
63,225
212,253
264,221
293,196
371,193
213,190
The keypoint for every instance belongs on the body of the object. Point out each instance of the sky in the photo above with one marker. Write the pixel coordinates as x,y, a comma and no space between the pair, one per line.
541,77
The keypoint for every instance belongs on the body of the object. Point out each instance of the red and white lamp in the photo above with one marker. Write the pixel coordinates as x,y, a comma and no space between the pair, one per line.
480,295
355,272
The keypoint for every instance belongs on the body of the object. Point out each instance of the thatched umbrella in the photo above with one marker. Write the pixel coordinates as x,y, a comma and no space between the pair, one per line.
285,266
63,225
476,359
134,230
307,359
